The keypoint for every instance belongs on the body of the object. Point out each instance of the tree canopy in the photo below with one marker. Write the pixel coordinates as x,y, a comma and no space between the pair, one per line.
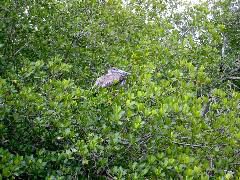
176,117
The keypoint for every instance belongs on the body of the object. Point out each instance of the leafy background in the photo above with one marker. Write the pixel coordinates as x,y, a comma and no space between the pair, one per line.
177,116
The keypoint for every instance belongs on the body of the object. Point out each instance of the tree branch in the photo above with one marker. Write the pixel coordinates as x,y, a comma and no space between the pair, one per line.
233,78
192,145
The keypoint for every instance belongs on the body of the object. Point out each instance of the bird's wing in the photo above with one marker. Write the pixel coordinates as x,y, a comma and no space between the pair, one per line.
108,80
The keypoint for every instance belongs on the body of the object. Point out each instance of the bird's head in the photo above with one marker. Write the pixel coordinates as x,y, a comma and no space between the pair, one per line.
118,71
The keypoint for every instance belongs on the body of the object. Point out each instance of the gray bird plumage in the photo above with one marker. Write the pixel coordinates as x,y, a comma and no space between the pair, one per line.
113,76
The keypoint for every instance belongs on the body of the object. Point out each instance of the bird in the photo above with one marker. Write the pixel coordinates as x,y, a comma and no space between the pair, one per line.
113,76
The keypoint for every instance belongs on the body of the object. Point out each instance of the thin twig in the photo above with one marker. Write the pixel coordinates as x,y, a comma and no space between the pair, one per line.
20,49
235,86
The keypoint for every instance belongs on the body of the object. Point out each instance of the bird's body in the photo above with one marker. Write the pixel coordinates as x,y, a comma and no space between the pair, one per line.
113,76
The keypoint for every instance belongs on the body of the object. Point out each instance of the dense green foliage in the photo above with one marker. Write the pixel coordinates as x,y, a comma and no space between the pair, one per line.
232,22
174,118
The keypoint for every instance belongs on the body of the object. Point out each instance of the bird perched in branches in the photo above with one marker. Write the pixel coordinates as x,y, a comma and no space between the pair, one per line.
114,76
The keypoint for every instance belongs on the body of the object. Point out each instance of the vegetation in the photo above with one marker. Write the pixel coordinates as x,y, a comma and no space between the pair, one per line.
176,117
